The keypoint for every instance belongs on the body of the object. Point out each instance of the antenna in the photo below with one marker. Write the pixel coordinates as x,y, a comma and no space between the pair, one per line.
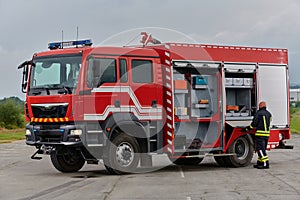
62,38
77,33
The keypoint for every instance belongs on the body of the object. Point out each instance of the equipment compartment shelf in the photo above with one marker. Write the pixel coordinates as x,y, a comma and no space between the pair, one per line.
239,86
197,105
201,87
183,117
239,118
181,91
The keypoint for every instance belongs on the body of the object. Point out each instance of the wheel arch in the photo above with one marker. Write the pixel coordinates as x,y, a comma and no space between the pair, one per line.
129,124
235,134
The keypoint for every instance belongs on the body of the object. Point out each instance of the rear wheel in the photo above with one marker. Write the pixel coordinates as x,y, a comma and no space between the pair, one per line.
122,155
67,160
243,149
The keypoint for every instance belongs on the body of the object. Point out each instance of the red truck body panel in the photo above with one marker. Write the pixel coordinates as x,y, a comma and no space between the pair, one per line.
155,101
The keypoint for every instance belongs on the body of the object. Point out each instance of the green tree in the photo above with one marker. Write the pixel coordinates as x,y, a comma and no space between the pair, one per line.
11,116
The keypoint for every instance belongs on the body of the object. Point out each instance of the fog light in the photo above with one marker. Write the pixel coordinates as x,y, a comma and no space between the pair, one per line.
76,132
28,132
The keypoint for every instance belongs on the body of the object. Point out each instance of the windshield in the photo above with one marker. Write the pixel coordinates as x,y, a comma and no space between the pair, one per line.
59,72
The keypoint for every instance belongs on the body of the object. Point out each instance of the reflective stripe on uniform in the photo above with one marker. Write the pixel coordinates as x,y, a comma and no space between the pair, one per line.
262,133
263,159
265,123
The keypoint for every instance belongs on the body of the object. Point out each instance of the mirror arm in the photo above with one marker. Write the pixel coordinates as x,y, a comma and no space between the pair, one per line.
25,66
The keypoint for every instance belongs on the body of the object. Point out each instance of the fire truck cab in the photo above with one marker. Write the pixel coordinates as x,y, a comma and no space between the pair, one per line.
123,105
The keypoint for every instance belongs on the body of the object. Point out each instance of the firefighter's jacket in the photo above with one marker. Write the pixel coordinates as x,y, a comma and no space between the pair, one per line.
261,122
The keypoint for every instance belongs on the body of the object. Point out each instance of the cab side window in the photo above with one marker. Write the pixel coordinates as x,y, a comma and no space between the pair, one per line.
123,71
142,71
101,70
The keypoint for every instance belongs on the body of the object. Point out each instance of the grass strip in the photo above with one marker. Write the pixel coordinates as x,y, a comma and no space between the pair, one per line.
7,136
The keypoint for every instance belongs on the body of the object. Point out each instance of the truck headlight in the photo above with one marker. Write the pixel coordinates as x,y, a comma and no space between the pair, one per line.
28,132
76,132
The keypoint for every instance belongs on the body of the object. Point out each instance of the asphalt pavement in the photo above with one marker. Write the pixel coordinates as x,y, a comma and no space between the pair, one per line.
22,178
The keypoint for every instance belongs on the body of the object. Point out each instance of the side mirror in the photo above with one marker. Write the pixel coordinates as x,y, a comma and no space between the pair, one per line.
25,65
24,86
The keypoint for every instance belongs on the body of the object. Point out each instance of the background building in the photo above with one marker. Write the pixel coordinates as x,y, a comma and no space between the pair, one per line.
294,96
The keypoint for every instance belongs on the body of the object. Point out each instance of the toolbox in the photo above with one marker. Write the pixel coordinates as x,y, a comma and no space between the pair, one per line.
199,80
180,84
180,110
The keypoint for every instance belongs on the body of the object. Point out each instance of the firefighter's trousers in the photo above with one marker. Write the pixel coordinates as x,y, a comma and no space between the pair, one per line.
261,146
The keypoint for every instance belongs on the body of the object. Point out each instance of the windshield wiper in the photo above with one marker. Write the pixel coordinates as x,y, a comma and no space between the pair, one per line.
38,91
62,89
65,90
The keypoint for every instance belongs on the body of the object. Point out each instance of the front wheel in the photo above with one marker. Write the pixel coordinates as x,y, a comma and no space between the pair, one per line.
67,160
122,155
243,149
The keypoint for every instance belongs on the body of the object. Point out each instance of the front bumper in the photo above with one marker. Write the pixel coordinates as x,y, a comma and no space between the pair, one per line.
52,135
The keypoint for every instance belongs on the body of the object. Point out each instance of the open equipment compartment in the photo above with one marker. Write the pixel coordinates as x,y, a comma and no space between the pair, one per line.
197,95
204,95
240,90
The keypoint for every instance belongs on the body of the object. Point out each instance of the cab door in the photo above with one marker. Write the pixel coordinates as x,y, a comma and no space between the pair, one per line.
103,83
145,88
100,96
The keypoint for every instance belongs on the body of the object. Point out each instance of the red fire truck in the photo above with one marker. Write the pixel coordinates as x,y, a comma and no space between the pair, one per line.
123,105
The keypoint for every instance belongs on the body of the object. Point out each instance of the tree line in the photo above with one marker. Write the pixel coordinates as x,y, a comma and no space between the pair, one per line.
12,113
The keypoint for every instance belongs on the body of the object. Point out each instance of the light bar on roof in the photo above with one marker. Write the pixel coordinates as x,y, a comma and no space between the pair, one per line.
76,43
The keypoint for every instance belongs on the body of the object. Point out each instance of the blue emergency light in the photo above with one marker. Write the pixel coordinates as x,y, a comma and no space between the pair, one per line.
76,43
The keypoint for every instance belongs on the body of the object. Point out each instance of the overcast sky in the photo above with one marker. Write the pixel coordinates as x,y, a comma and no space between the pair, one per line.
28,25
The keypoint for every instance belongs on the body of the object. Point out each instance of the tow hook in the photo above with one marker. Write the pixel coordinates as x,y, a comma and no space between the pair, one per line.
46,150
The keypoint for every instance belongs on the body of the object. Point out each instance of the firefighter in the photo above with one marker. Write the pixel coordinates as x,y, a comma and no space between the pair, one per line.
261,122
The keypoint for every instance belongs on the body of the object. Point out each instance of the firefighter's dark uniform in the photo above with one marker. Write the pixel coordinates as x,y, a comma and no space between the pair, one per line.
261,122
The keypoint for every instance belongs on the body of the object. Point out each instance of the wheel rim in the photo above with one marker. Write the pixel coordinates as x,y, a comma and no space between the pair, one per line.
70,159
241,148
124,154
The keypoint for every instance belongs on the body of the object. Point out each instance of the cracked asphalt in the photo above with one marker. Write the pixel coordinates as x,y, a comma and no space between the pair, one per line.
22,179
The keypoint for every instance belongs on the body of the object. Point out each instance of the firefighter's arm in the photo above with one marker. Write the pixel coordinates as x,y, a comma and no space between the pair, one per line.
246,129
253,123
250,127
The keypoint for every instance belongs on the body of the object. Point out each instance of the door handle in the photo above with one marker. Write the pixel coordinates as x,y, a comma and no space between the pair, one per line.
117,103
154,104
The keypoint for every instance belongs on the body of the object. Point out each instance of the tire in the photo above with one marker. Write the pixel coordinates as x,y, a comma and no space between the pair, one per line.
67,160
243,149
122,155
186,161
110,170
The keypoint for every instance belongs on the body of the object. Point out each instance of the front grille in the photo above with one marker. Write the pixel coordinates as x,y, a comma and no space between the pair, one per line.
49,110
50,126
50,134
50,138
